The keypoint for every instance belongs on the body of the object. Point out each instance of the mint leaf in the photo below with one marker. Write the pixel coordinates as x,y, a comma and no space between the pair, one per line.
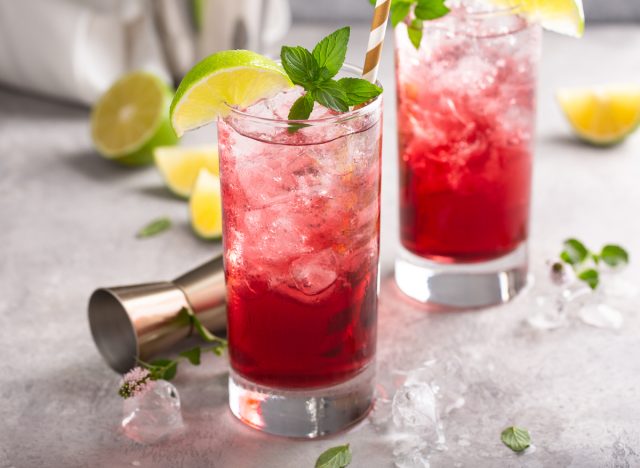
430,9
591,277
574,252
154,227
516,438
359,91
302,108
164,369
415,32
335,457
330,94
300,65
614,255
331,51
399,11
193,355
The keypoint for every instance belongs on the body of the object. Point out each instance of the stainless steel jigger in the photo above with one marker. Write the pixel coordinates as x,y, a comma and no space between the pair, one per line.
141,321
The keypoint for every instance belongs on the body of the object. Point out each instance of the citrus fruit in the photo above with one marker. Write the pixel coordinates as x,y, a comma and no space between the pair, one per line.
131,118
180,165
602,115
561,16
205,206
231,77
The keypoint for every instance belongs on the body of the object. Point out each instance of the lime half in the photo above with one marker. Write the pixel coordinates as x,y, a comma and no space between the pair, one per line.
234,77
205,206
132,118
602,115
180,165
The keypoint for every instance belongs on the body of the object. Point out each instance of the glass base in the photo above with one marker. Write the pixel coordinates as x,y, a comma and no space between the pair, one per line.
305,413
462,285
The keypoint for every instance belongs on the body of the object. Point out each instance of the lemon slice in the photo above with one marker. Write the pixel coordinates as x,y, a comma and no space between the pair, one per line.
205,206
132,118
561,16
602,115
180,165
233,77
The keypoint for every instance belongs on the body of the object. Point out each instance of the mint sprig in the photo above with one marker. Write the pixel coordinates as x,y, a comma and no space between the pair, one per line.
578,256
166,369
417,11
314,71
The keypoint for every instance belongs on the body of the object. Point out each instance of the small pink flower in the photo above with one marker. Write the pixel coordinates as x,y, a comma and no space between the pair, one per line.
135,383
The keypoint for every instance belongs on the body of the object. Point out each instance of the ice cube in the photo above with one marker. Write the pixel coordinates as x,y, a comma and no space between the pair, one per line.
314,272
414,406
411,452
601,316
153,415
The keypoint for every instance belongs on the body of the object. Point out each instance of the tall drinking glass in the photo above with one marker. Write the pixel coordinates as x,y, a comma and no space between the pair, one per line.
301,218
466,114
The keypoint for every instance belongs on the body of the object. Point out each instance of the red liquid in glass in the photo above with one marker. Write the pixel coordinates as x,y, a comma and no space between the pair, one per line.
466,118
301,241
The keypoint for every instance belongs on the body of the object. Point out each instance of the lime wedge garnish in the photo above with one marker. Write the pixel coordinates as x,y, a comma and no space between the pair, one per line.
602,115
235,77
132,118
561,16
180,165
205,206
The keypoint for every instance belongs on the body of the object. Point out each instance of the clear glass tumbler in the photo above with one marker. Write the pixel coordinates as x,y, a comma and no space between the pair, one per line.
466,115
301,220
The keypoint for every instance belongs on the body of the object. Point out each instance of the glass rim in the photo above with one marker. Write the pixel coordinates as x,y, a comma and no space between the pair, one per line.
365,110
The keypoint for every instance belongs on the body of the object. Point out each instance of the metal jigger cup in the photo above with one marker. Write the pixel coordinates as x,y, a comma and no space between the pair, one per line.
131,323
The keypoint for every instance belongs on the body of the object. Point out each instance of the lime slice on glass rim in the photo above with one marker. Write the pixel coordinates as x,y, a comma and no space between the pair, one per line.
231,77
205,206
180,165
603,115
561,16
132,118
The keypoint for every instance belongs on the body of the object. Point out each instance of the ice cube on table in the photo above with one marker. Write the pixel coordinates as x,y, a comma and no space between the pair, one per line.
601,316
154,415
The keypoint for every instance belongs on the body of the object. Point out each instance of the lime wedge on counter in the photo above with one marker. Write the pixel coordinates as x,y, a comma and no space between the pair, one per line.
561,16
233,77
602,115
180,165
205,206
132,118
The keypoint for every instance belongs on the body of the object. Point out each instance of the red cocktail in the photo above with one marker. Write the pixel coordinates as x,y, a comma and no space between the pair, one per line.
466,110
301,217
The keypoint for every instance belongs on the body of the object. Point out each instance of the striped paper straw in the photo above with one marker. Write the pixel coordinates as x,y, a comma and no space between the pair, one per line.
376,38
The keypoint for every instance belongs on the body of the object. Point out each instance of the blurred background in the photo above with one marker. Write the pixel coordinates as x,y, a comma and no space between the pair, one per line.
74,49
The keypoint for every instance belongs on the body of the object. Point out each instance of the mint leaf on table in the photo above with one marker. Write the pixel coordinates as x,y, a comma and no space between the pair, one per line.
591,277
574,252
430,9
516,438
193,355
331,51
164,369
314,71
154,227
614,255
335,457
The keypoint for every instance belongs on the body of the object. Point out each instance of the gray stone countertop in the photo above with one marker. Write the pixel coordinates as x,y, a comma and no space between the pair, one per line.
68,222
